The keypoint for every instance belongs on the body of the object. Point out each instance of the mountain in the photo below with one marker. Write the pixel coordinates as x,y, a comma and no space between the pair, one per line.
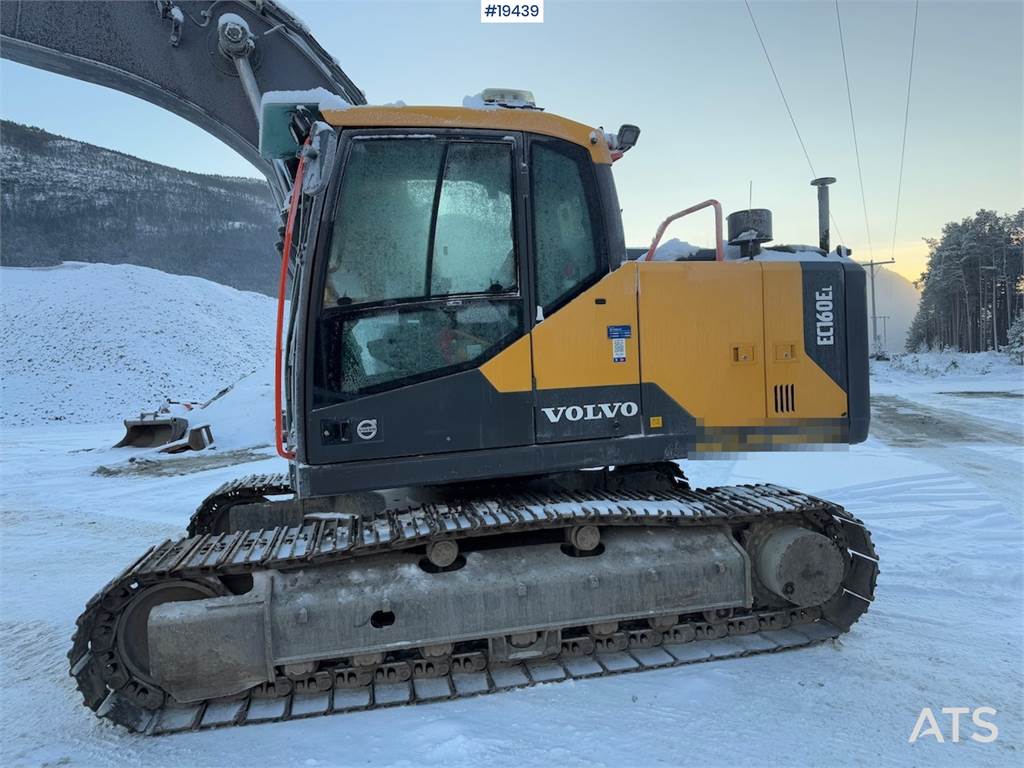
897,300
65,200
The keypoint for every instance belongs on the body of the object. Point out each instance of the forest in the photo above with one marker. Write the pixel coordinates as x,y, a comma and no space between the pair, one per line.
972,291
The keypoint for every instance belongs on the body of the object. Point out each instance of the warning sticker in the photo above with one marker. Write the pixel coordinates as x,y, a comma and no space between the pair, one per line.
618,334
618,350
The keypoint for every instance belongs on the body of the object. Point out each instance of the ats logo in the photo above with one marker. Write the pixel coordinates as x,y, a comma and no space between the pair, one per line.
984,731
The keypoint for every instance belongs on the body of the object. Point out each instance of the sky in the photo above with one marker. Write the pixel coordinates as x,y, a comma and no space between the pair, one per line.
693,76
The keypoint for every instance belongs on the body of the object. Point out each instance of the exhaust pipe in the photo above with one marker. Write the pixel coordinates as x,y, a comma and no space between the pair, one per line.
823,235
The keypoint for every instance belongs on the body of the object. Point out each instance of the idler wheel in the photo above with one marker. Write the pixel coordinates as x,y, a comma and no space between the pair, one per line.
132,625
799,565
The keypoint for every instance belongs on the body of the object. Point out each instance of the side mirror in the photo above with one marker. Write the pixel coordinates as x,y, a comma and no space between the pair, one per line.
319,157
626,137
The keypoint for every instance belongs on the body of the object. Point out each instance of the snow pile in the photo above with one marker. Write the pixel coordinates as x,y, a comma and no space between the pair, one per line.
244,417
92,343
949,363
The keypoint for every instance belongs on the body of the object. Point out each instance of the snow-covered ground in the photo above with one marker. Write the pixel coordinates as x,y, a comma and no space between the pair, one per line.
85,343
939,483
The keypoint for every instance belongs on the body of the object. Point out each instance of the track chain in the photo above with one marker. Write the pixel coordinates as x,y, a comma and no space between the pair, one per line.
238,491
110,689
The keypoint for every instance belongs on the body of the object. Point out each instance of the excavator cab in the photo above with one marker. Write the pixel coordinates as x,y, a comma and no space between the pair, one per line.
433,253
463,301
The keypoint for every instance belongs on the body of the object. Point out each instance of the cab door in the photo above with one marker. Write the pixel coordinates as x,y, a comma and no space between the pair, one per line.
585,338
418,312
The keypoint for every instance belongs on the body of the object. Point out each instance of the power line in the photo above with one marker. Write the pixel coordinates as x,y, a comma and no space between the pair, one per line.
906,122
781,93
853,125
788,110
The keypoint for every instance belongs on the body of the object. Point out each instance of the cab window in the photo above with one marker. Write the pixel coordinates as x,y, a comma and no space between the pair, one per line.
419,218
566,222
421,276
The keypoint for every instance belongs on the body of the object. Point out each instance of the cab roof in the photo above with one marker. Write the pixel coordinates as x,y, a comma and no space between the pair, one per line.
496,118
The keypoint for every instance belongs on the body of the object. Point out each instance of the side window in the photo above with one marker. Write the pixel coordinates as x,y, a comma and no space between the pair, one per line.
382,231
473,249
565,231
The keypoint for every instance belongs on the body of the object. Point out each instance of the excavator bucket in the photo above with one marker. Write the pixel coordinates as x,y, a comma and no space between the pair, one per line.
151,430
198,439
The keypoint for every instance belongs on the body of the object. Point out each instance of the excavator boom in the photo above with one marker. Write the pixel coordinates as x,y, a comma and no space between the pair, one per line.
208,62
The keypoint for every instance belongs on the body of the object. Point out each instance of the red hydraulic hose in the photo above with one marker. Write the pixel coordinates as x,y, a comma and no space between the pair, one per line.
286,250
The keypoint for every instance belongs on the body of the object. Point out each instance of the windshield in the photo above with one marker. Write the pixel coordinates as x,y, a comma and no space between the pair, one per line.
420,218
421,276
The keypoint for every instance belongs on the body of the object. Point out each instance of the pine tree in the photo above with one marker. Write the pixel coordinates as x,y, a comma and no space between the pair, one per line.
1015,339
972,286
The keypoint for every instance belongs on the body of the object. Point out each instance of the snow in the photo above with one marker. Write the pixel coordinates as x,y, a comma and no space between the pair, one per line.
748,234
96,343
319,96
938,483
800,253
983,368
675,249
476,101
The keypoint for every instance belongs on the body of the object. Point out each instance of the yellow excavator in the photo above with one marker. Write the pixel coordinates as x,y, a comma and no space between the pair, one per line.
482,400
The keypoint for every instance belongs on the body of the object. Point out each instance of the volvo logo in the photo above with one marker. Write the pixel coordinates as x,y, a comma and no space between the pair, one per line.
367,429
591,412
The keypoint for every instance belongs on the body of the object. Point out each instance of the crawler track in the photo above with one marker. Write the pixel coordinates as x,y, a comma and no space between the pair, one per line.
111,689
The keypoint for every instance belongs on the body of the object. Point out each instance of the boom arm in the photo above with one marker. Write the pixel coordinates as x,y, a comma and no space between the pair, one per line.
208,62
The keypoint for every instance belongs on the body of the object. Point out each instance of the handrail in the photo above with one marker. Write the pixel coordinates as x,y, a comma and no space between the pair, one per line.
719,245
286,251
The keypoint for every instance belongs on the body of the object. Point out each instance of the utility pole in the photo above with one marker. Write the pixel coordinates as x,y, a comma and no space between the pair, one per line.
874,316
885,336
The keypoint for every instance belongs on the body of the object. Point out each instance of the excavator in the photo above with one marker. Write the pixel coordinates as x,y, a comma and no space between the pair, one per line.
482,400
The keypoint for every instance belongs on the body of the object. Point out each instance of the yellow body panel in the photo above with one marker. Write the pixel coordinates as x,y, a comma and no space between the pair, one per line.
702,338
512,369
571,348
498,119
716,337
815,394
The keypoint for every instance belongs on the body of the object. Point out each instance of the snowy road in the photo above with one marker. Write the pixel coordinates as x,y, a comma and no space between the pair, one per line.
939,483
